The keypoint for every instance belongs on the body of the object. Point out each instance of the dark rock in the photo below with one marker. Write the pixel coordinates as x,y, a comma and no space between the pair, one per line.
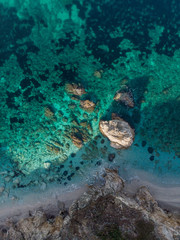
102,141
151,158
111,157
65,173
143,143
150,149
69,178
98,163
73,154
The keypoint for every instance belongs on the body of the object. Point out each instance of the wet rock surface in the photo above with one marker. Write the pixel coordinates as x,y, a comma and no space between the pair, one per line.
104,211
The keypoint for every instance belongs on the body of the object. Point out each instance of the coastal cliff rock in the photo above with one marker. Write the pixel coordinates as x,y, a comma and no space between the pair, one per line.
104,211
118,132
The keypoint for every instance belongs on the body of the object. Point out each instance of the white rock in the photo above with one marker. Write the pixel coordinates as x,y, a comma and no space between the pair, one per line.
118,132
47,165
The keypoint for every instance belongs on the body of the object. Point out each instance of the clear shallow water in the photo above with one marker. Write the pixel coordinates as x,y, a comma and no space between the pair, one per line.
104,47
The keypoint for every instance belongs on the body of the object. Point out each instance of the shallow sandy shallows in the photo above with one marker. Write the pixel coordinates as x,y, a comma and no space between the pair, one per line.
33,199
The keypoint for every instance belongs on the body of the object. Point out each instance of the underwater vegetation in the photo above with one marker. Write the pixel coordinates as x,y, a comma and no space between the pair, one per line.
67,65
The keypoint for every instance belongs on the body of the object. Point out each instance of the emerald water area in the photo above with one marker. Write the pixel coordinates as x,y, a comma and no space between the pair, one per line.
49,132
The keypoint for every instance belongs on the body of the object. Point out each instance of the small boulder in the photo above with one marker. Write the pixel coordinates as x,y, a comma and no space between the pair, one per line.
118,132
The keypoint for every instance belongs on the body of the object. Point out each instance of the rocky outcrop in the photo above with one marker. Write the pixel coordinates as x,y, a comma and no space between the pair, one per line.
104,211
118,132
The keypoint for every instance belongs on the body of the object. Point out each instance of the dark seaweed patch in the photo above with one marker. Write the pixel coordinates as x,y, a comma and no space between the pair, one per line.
27,92
25,83
35,82
11,29
43,77
150,149
10,100
16,120
65,173
143,143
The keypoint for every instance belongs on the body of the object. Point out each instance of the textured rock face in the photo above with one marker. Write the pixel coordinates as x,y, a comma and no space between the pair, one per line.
103,212
118,132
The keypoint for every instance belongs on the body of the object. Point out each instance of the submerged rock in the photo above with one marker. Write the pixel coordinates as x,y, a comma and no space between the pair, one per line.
49,113
77,141
111,157
98,73
118,132
87,105
125,97
75,89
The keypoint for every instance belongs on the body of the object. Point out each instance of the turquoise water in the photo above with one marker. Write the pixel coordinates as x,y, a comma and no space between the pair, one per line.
46,136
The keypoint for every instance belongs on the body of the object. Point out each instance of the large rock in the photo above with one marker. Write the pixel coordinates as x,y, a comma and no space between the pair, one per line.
118,132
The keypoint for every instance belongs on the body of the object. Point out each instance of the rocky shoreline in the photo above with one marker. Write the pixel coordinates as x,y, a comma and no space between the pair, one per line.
104,211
